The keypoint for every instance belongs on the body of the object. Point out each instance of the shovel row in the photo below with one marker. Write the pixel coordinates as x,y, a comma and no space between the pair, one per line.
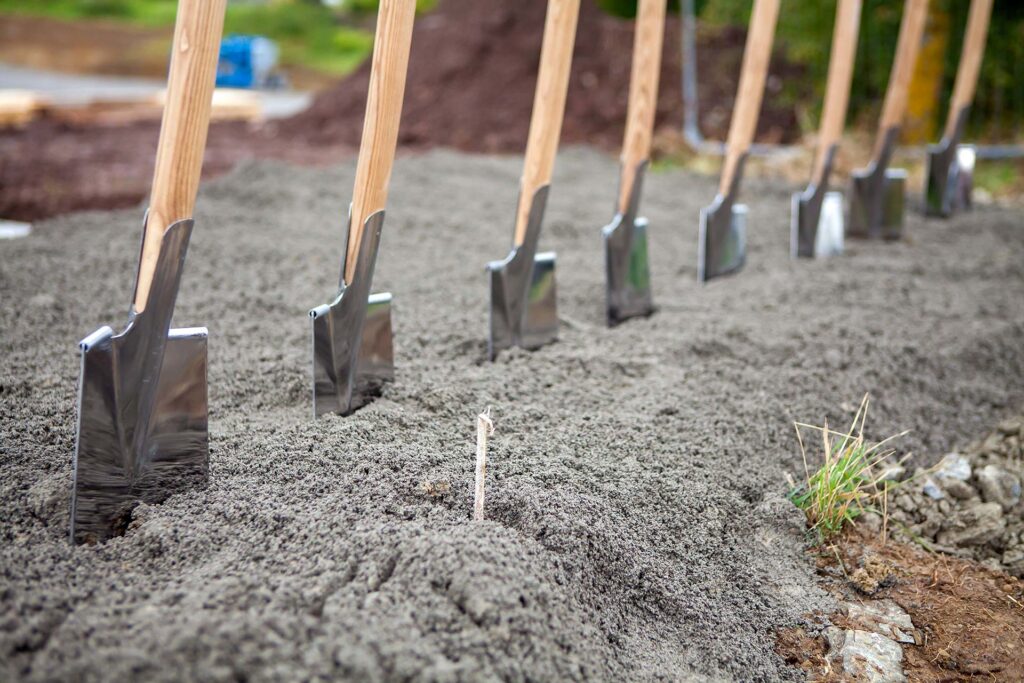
142,415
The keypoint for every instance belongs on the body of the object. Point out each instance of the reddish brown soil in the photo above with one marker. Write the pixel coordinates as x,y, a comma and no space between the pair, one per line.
971,618
470,86
479,97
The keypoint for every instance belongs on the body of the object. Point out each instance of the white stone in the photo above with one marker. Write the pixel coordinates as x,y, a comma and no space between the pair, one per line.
953,466
884,617
999,486
867,656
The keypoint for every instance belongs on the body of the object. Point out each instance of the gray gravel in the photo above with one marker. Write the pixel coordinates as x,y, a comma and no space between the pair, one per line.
637,529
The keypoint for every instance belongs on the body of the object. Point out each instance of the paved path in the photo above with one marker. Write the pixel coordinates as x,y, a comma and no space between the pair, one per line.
64,88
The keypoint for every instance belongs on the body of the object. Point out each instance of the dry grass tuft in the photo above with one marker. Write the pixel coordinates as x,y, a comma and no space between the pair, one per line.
851,479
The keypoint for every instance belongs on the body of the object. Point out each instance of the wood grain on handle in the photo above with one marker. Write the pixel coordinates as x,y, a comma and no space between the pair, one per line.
915,13
548,105
756,56
840,76
383,113
970,61
186,118
643,93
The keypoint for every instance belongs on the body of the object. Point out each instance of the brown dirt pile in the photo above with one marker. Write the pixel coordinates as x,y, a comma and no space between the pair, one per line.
968,619
474,65
470,86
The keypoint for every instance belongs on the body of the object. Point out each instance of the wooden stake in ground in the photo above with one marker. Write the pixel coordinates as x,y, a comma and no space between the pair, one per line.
484,429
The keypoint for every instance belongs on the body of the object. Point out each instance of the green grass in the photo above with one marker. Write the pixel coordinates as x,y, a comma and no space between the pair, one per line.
309,35
998,176
848,483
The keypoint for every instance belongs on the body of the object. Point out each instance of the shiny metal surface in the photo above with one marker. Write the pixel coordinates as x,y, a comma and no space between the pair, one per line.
353,352
628,274
877,195
722,245
142,408
831,226
950,174
806,217
524,309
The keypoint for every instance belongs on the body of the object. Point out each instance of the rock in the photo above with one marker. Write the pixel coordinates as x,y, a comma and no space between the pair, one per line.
975,525
1010,427
904,501
930,526
1013,561
992,445
873,574
931,489
871,521
998,486
892,472
884,617
866,656
953,466
960,490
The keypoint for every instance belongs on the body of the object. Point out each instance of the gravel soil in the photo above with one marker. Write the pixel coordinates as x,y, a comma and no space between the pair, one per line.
636,526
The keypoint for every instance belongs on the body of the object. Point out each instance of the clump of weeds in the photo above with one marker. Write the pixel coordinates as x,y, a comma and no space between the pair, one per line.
851,481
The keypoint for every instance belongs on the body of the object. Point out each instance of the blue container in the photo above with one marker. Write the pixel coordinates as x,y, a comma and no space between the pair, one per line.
246,61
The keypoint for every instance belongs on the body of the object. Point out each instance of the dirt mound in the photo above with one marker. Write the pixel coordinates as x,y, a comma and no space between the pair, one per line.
470,86
474,66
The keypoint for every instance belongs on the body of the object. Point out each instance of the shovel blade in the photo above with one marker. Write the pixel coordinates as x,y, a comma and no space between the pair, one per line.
531,321
110,476
338,385
877,204
722,248
950,180
828,240
627,270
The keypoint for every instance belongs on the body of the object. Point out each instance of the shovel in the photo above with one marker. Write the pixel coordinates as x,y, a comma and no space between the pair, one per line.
950,164
523,304
142,403
812,231
628,279
877,192
722,242
353,356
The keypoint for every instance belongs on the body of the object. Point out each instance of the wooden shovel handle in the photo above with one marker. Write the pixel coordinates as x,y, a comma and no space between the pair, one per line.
970,60
548,105
643,93
915,14
186,119
756,56
391,47
840,76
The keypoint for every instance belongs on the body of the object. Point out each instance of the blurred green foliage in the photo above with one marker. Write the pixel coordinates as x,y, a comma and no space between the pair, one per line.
311,35
805,33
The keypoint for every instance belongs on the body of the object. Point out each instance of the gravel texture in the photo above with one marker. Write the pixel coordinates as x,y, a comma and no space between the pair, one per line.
636,528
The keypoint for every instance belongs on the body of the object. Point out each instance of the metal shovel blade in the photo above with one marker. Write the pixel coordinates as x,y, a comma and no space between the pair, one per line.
353,351
877,194
524,310
950,179
817,226
722,246
950,171
877,203
816,229
627,269
628,274
142,409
